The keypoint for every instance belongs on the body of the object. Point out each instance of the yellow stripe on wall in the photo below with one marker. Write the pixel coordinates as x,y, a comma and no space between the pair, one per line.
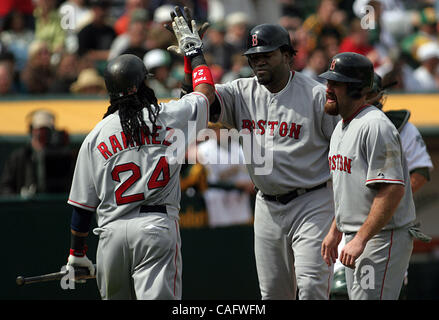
424,108
80,116
75,116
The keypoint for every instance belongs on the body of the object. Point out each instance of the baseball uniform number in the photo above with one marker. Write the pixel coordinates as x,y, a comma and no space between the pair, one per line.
162,166
161,169
135,170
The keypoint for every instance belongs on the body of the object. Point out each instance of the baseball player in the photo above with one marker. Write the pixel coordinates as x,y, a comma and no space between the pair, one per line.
374,206
413,146
123,174
294,206
415,152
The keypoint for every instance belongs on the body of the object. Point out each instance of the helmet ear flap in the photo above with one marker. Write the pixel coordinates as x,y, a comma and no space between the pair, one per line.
356,91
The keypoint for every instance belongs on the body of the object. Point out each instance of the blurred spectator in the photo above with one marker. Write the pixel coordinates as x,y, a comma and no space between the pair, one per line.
291,22
44,165
158,62
401,72
48,25
76,15
137,34
330,41
95,38
66,73
229,185
38,75
259,11
82,16
388,24
317,64
425,22
304,44
89,82
327,15
17,37
427,73
134,39
158,36
8,59
6,79
240,69
357,41
122,23
237,25
26,7
217,48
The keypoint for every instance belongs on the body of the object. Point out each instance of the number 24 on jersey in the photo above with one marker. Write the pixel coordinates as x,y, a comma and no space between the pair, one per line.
161,168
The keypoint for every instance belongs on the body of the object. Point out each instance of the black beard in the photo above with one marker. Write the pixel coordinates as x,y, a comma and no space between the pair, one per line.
331,108
264,81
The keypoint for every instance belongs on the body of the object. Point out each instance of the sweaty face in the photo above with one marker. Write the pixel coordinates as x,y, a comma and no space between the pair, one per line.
269,67
335,96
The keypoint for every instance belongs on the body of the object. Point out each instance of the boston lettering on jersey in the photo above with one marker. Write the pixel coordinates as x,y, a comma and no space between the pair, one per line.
285,129
339,162
119,142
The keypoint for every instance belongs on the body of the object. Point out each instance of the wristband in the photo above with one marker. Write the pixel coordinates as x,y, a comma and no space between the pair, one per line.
187,65
77,243
79,253
202,74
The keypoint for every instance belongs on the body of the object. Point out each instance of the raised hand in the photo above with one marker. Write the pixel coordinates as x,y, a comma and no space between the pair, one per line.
189,41
188,18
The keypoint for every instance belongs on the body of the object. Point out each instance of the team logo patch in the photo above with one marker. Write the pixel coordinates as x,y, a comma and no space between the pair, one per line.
332,65
254,40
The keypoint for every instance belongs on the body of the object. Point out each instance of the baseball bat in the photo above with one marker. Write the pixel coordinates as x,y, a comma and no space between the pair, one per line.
80,273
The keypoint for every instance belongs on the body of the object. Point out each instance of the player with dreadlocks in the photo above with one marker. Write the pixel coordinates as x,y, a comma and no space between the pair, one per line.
131,103
123,174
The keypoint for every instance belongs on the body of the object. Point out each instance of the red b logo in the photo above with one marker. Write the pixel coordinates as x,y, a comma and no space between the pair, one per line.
254,40
332,65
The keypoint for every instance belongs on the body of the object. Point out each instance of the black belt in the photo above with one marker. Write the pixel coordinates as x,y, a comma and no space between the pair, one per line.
287,197
156,208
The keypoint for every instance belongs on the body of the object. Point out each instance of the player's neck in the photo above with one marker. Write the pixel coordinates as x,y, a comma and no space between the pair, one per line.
278,85
355,106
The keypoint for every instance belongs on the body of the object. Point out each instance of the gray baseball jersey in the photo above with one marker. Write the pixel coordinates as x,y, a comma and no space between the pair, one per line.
366,150
294,118
113,178
288,236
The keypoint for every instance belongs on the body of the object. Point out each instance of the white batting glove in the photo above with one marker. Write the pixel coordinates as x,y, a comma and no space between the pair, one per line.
75,261
79,259
189,41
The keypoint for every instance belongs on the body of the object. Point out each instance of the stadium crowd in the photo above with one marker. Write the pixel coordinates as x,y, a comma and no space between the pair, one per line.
62,46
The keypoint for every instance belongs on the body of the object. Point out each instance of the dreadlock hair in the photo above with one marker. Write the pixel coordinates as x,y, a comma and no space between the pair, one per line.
131,113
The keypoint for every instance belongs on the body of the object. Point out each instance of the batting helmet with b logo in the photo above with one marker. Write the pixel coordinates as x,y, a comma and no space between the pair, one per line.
352,68
266,38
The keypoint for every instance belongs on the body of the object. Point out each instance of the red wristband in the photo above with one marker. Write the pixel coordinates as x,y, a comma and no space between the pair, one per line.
79,253
187,65
202,74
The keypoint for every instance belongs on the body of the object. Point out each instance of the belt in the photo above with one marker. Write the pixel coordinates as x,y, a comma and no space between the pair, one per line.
287,197
155,208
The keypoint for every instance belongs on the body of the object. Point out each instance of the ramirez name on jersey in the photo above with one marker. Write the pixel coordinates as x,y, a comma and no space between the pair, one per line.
112,144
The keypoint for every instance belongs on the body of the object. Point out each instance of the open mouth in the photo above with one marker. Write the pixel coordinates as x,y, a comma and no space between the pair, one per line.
330,97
